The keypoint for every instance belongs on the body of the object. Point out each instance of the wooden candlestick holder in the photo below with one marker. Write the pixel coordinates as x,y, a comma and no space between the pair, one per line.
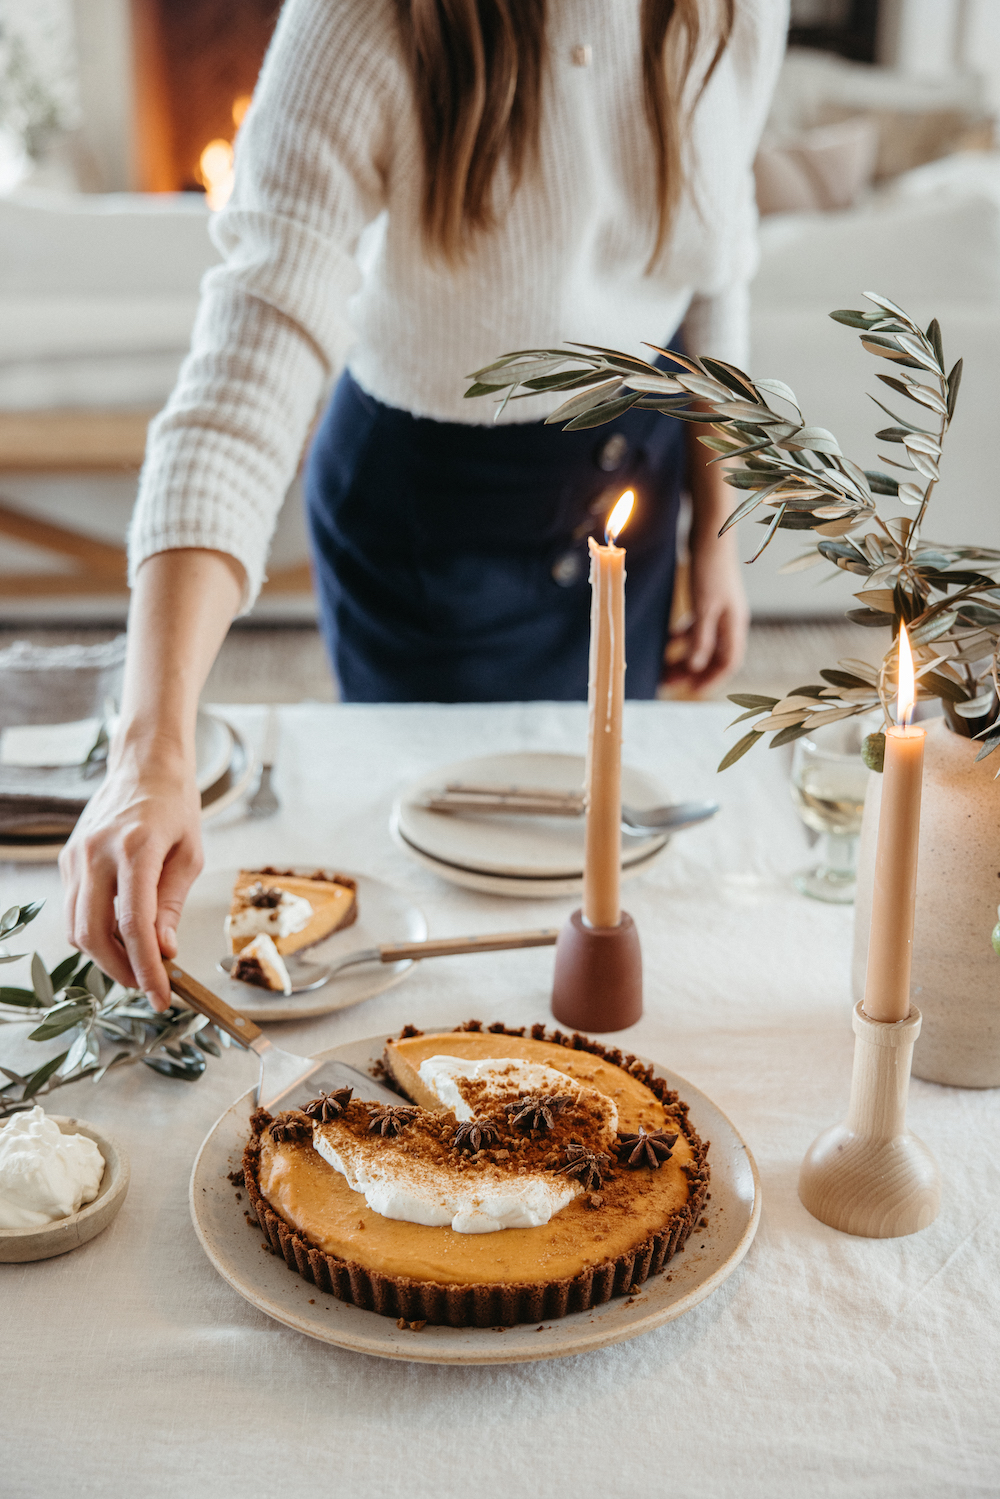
869,1175
597,985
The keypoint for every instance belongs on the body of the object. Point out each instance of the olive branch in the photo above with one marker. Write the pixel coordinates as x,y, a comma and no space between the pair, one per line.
78,1001
798,473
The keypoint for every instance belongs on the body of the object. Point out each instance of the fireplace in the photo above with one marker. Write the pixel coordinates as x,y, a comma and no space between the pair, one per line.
196,63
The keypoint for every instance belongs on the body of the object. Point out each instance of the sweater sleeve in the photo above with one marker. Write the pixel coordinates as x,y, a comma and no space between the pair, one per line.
272,328
718,318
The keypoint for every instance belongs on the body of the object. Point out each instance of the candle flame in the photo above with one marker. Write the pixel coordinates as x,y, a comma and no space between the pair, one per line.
905,691
618,519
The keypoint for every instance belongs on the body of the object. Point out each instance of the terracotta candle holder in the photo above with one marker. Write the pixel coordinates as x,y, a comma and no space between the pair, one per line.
598,976
869,1175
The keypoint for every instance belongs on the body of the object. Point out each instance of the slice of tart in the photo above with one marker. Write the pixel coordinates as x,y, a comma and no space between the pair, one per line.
260,963
530,1176
294,910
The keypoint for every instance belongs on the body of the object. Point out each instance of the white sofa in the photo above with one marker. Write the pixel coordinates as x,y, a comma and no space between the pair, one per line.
97,296
931,242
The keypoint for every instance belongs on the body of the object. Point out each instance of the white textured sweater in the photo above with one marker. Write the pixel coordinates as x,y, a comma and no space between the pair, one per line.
329,152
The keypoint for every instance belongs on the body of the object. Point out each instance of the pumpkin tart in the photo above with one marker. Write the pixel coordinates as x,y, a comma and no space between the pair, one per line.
588,1155
295,910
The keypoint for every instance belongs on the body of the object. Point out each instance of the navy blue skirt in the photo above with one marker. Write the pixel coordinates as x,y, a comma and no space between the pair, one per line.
451,561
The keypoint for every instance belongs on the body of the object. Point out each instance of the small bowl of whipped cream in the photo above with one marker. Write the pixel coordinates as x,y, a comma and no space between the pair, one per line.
61,1183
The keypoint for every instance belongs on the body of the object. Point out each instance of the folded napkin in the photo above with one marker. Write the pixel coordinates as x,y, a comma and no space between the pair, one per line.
49,744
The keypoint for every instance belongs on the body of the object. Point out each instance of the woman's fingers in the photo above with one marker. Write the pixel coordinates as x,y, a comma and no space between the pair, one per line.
138,882
181,868
721,659
704,641
94,930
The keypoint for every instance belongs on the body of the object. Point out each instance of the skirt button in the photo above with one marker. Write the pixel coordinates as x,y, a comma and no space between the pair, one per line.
567,569
612,454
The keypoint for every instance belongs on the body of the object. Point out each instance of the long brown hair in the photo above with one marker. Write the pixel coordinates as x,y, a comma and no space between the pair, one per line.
478,67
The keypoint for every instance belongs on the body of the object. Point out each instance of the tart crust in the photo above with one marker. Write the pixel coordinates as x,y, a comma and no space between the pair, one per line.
493,1303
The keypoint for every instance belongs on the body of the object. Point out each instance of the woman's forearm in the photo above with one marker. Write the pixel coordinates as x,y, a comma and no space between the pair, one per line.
183,603
711,497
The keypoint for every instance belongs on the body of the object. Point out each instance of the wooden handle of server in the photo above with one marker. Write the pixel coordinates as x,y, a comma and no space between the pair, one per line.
207,1003
442,947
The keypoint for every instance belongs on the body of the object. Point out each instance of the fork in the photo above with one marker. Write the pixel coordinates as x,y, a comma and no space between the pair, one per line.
264,802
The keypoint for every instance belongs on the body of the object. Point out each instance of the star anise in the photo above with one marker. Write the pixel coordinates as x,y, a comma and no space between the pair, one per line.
263,897
475,1134
535,1111
589,1167
645,1150
291,1126
328,1105
389,1119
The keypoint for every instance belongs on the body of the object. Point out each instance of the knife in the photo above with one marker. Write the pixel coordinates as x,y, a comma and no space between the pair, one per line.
285,1078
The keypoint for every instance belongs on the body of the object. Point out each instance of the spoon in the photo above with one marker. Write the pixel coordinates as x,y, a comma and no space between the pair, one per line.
668,819
305,975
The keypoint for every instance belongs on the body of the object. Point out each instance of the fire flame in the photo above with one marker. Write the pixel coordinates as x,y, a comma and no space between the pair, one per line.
618,519
905,691
216,165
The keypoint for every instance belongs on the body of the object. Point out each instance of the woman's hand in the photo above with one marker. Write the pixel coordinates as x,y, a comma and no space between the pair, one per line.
713,638
137,845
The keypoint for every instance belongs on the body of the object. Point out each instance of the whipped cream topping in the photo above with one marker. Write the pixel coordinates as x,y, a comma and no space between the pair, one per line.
44,1174
495,1079
291,914
400,1186
271,962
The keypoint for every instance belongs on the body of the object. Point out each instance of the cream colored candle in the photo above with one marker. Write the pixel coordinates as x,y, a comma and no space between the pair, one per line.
890,949
605,699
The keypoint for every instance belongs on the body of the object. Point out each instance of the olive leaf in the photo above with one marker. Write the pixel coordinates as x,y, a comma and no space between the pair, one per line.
739,749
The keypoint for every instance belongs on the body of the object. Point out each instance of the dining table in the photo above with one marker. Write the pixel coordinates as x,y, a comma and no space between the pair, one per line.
825,1364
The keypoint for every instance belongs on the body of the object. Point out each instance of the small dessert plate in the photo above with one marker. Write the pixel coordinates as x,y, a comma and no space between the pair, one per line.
385,914
236,1248
19,1245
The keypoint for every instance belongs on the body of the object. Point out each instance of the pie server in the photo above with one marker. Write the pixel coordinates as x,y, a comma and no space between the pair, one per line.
285,1078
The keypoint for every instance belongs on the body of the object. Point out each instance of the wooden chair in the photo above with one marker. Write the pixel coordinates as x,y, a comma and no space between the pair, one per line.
82,442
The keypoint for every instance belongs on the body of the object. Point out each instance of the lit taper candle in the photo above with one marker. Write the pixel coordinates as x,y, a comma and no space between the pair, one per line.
605,699
890,948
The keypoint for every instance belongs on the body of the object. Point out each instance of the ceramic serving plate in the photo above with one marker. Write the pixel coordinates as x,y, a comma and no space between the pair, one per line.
517,887
19,1245
517,847
236,1248
385,914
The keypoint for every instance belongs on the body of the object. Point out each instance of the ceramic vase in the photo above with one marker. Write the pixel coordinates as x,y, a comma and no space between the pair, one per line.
955,978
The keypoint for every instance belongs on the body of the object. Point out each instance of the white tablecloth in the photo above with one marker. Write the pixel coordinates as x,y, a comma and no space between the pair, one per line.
826,1365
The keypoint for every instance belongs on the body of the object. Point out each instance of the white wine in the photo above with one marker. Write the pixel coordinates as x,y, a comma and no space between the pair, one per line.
831,798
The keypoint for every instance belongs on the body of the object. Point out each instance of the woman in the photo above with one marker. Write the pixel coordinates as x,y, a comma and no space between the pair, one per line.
511,173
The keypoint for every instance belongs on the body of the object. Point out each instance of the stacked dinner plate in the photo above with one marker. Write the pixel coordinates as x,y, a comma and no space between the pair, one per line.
39,805
517,855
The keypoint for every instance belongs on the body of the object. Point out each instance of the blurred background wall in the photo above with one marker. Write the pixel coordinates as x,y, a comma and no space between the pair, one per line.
878,170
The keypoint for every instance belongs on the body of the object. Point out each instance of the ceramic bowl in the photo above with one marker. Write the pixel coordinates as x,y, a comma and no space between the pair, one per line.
17,1245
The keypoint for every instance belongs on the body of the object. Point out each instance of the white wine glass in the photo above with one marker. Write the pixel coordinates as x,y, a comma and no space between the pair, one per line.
828,785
